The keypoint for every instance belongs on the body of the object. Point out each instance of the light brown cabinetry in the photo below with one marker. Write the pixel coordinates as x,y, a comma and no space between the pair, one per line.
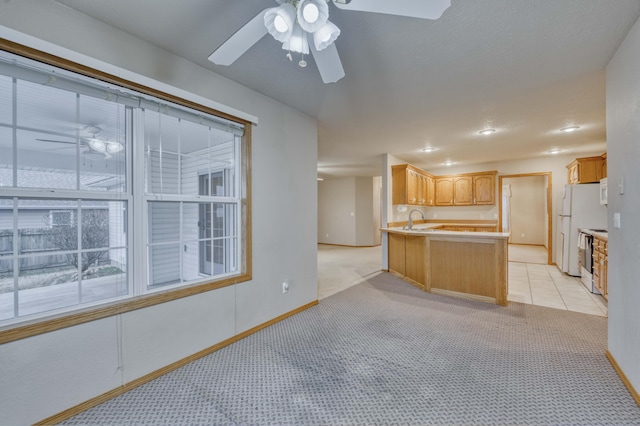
600,266
466,190
411,186
396,253
463,191
473,267
587,169
407,257
484,189
444,191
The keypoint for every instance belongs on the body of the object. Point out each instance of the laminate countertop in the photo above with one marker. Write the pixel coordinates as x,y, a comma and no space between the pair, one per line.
426,229
603,235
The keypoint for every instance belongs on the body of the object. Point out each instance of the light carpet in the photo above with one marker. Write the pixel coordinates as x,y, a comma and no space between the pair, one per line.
384,352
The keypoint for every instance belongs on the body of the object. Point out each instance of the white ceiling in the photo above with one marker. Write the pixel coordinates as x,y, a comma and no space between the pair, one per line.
524,67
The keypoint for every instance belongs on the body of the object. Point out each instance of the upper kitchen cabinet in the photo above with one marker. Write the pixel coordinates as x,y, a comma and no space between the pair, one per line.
444,191
463,190
587,169
412,186
470,189
484,188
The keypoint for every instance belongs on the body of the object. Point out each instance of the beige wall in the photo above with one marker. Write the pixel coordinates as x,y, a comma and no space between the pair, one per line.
349,211
623,156
528,209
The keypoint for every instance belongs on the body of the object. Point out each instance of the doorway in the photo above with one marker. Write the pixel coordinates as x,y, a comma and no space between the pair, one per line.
525,211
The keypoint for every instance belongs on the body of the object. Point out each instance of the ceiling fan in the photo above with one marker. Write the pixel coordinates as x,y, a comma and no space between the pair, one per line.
89,136
303,26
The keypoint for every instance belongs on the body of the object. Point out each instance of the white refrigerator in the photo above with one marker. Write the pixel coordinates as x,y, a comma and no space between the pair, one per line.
579,208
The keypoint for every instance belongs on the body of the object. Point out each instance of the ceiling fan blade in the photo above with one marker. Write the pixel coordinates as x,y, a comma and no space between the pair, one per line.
328,62
424,9
240,41
56,141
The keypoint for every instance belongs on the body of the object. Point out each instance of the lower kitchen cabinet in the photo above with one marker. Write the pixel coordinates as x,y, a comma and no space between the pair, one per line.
601,266
407,257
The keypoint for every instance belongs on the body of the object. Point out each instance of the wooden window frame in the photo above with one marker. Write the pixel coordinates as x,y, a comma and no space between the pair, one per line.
28,328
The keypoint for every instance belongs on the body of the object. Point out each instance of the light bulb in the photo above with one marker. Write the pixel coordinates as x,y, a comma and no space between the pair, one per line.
280,24
310,13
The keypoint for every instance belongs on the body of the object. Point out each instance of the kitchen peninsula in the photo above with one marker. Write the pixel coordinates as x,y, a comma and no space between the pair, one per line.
465,264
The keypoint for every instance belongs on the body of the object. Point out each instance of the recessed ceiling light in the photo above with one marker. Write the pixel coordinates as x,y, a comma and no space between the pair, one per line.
428,149
569,129
320,179
486,132
448,163
554,151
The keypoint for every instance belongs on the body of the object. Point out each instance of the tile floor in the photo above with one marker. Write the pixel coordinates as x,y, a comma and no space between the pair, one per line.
527,253
538,284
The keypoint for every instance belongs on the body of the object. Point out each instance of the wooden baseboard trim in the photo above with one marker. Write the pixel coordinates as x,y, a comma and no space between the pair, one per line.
70,412
467,296
623,377
344,245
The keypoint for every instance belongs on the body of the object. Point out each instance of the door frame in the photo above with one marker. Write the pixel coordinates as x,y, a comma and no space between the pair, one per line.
549,207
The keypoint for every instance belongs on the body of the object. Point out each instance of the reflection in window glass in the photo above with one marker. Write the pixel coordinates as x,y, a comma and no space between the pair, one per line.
68,252
68,244
6,156
6,100
162,152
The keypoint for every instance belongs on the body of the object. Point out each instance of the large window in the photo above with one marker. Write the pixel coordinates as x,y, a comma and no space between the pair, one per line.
110,195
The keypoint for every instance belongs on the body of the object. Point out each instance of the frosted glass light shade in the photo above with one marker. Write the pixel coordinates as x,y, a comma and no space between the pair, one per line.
97,145
312,14
280,21
325,35
298,41
113,147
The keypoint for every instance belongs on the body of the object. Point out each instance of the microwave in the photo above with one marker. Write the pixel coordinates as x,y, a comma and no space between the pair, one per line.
603,191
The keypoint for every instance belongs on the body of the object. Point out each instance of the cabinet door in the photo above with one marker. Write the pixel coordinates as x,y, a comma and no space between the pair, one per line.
416,260
484,187
412,187
573,173
422,190
396,253
463,191
596,266
444,191
431,191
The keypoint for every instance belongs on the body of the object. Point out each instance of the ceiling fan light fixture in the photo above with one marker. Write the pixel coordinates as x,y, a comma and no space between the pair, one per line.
280,21
113,147
97,145
325,35
297,42
312,14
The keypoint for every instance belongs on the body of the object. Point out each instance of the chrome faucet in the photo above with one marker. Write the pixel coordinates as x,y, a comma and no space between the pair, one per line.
409,225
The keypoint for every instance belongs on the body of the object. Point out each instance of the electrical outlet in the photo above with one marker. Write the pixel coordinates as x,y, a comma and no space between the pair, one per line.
285,287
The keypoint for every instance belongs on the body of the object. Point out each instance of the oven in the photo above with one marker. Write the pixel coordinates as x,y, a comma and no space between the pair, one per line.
585,260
